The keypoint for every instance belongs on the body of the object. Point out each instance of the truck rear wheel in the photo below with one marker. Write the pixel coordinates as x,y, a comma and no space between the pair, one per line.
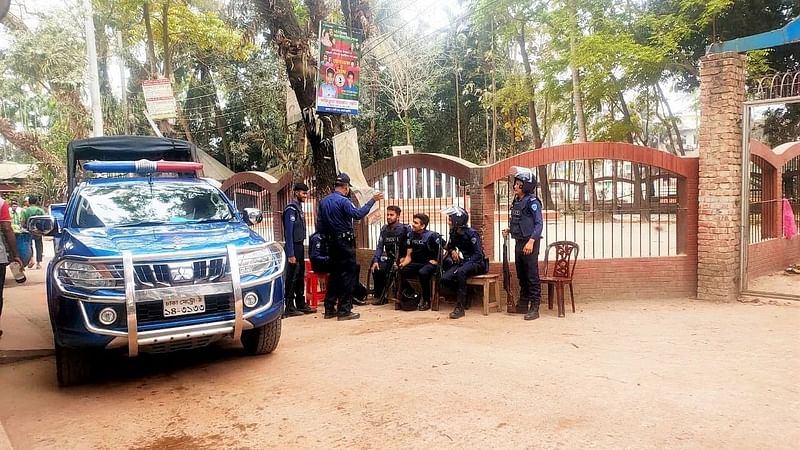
72,366
262,340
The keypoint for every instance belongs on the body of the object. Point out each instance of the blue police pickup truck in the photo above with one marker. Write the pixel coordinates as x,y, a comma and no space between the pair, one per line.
151,258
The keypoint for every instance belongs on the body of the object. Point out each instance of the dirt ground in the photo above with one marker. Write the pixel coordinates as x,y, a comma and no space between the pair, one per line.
779,282
634,374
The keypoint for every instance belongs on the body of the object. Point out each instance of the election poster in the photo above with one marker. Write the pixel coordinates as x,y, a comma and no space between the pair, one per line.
338,75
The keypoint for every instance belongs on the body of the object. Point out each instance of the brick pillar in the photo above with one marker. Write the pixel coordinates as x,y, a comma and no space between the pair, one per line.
722,90
481,209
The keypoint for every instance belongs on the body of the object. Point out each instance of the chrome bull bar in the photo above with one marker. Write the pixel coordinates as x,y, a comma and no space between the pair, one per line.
130,304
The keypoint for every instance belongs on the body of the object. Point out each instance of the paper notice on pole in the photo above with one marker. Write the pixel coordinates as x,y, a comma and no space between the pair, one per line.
293,114
348,160
159,99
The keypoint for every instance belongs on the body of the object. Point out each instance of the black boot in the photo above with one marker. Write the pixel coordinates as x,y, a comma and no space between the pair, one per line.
307,309
348,316
379,302
424,305
357,302
291,312
533,314
522,308
329,314
458,312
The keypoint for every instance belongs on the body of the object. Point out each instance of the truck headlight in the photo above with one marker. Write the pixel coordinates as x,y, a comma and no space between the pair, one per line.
262,262
85,275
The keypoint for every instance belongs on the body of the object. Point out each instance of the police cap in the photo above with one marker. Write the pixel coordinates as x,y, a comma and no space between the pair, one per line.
342,178
301,187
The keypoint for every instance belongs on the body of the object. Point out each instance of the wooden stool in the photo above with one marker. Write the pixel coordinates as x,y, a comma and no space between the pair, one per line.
489,283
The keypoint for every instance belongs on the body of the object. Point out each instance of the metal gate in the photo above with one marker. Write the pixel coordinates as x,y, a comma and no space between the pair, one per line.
761,272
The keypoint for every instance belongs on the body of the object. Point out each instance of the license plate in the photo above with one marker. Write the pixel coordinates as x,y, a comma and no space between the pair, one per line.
183,306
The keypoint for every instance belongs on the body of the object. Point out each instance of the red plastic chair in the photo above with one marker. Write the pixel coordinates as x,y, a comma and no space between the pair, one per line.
560,273
316,285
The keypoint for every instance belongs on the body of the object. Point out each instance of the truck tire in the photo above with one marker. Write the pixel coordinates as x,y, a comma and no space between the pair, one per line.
72,366
262,340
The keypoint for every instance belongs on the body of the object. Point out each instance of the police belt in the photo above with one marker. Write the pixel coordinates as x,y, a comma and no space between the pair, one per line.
344,235
521,238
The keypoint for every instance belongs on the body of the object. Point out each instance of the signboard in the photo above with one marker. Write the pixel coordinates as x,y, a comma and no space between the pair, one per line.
159,99
338,76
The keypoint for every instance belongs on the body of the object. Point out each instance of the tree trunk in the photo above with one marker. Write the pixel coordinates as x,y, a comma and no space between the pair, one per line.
544,182
407,123
150,44
580,118
458,112
671,120
301,68
635,167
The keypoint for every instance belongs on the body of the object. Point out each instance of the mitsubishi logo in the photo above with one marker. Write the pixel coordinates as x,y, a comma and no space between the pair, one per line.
181,272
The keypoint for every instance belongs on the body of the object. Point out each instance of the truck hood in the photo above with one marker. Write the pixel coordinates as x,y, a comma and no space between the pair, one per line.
157,239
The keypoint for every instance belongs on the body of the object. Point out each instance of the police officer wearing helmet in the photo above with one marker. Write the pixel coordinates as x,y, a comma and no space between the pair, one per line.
465,257
526,226
335,222
391,247
294,233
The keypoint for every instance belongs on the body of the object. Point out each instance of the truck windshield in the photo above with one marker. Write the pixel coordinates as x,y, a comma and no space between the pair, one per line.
149,204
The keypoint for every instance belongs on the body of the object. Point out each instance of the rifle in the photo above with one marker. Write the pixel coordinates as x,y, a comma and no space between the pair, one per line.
510,304
391,278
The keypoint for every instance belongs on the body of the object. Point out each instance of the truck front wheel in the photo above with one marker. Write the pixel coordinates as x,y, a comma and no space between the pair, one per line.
262,340
72,366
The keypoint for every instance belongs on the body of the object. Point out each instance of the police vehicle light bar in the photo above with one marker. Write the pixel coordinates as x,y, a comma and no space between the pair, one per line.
142,166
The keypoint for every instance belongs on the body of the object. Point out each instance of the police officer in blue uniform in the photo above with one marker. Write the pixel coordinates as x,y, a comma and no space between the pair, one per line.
391,247
422,257
465,257
335,222
526,226
294,233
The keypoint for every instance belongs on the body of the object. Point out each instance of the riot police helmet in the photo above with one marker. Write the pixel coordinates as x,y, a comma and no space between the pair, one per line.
527,177
459,217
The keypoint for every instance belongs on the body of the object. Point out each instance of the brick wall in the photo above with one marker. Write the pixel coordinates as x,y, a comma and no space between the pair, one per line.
771,256
720,143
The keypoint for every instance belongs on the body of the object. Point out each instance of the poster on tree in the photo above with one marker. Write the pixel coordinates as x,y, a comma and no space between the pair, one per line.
338,75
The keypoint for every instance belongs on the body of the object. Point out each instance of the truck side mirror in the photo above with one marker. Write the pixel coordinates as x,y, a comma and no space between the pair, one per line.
252,216
42,225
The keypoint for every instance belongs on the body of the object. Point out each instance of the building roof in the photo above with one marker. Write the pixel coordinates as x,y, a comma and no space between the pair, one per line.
10,170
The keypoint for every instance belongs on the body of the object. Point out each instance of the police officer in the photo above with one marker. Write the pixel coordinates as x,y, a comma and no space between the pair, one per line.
335,222
422,257
465,257
391,246
526,227
294,233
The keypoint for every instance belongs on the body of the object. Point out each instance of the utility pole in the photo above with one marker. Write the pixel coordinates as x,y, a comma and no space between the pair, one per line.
94,82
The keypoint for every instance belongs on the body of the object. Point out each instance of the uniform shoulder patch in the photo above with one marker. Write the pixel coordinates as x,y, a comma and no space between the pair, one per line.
474,240
292,217
534,206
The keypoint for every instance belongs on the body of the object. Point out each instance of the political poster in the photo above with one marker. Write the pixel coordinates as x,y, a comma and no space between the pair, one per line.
338,75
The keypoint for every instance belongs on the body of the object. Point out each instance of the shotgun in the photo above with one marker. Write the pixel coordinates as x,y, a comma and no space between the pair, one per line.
511,306
392,277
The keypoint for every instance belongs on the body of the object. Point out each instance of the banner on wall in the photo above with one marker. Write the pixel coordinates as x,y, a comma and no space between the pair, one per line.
338,75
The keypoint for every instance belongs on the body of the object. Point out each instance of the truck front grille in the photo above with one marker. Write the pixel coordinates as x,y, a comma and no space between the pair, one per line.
159,275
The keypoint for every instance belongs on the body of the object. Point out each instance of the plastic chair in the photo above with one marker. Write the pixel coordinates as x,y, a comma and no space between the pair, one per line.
316,285
561,272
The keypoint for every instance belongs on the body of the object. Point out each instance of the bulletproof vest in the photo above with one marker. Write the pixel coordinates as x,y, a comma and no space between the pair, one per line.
466,243
521,218
318,253
423,246
299,230
393,239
